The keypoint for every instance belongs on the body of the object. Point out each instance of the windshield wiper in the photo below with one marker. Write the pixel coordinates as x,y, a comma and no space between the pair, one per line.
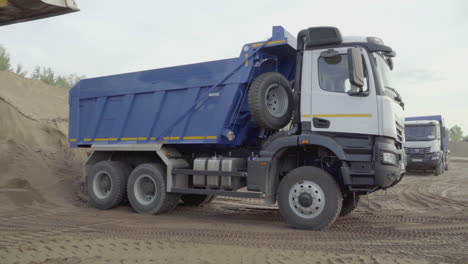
397,97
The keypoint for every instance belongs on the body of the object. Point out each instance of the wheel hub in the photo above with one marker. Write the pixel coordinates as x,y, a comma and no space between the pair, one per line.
145,189
105,183
307,199
102,185
148,186
276,100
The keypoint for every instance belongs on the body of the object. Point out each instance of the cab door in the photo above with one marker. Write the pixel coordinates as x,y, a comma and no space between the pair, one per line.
326,100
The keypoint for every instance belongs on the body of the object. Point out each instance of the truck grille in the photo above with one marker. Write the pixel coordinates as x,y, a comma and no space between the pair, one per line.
399,132
417,150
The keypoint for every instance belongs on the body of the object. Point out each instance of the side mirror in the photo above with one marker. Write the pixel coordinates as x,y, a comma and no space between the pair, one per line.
356,67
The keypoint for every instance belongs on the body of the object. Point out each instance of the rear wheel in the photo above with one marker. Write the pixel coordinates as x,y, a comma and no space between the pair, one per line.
106,183
309,198
147,190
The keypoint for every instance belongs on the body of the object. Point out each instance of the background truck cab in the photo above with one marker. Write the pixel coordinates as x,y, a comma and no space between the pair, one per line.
426,143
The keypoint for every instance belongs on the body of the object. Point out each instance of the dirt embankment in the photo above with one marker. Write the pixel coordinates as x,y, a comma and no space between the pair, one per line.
37,166
459,149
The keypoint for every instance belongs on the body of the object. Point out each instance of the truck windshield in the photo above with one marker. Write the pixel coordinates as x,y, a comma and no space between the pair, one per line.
385,74
420,133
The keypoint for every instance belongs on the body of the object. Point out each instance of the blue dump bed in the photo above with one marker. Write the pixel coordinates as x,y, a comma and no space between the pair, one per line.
421,118
203,103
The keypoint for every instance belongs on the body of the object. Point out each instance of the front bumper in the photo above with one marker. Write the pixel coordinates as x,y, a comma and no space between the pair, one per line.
365,176
426,161
387,174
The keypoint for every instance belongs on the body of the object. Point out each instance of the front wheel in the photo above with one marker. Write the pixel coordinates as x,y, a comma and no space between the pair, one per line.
309,198
439,169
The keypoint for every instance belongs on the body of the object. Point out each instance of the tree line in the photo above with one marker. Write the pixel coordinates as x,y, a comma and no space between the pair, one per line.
44,74
456,134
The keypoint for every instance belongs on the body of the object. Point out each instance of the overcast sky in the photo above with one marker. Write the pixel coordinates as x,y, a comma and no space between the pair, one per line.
112,36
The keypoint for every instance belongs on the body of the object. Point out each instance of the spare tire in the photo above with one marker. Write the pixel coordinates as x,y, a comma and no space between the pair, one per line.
271,100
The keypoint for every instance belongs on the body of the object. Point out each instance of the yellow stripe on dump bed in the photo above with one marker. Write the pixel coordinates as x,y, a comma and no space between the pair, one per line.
171,138
87,139
105,139
194,137
269,43
73,139
133,138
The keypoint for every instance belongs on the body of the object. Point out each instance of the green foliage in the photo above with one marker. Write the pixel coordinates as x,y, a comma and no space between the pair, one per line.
48,76
5,64
20,71
456,133
45,74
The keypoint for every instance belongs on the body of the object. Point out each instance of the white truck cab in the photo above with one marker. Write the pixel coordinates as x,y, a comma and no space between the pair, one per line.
425,144
364,115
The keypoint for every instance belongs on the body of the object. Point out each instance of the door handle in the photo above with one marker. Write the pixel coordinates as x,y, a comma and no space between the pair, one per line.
321,123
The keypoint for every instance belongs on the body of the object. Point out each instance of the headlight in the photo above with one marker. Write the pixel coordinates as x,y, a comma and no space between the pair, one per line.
435,157
389,158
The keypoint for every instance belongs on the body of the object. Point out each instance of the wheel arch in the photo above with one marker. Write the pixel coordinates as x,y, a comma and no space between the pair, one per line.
279,149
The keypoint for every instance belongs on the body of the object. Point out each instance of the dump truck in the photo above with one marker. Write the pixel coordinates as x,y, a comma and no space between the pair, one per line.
426,143
308,123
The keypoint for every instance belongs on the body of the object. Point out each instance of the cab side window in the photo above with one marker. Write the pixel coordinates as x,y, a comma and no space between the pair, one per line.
334,74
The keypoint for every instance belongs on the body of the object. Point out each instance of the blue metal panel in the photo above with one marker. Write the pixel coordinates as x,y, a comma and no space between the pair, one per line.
190,104
419,118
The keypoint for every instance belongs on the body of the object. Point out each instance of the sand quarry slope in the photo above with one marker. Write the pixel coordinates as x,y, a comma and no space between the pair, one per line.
36,165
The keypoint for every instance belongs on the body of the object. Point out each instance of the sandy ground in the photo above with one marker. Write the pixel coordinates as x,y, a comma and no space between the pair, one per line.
422,220
43,219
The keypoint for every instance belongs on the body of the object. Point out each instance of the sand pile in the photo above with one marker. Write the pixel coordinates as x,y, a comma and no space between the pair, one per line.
36,165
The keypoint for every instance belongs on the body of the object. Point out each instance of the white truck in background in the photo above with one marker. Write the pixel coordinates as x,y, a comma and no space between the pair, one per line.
426,143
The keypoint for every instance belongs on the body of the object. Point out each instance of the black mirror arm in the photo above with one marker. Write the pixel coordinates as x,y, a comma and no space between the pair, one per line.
358,93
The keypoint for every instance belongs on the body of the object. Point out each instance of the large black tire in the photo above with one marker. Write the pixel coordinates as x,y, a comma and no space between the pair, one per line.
106,183
309,198
439,169
146,190
270,100
446,165
349,204
128,169
195,199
